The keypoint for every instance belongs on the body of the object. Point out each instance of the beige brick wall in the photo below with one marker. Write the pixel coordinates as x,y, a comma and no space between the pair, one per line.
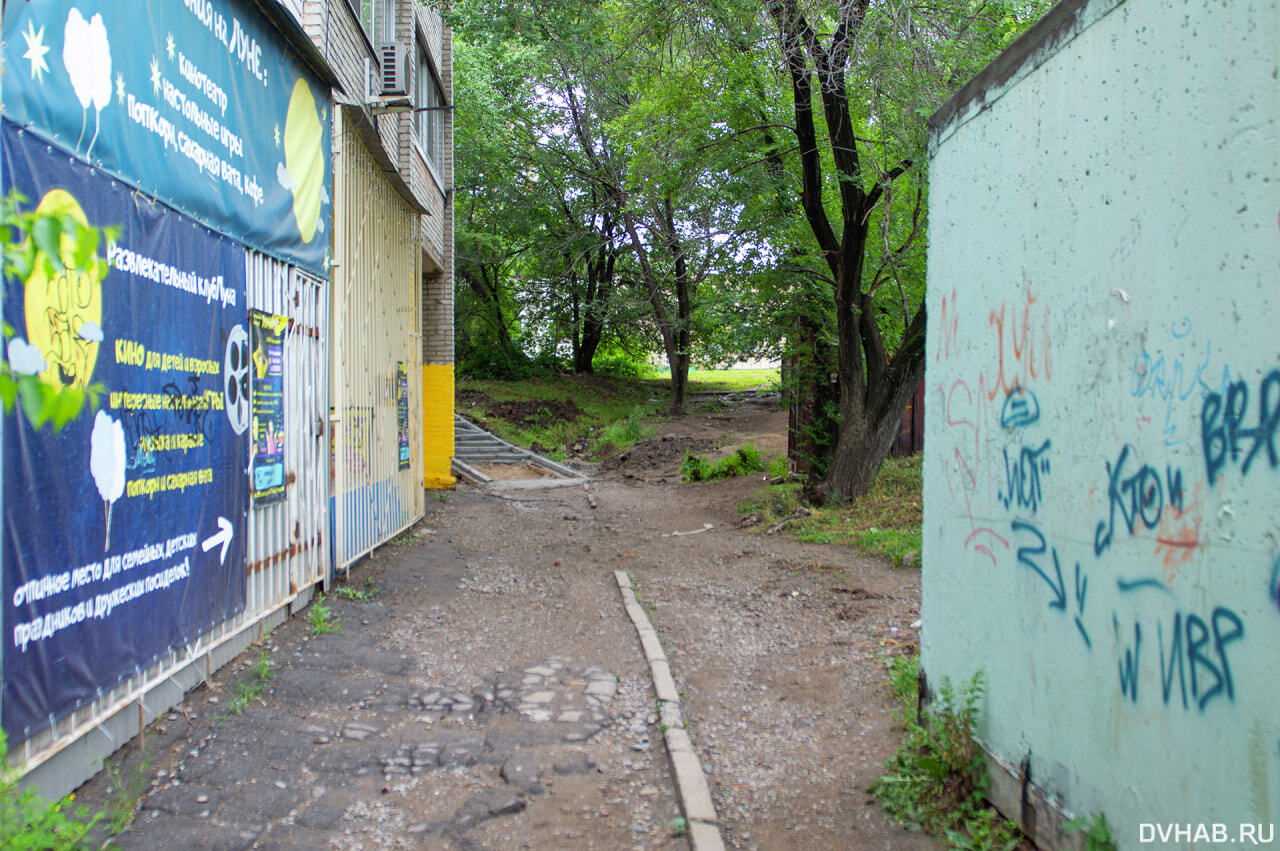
334,27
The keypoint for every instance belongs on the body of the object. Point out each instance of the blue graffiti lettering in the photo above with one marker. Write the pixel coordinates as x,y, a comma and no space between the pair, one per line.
1057,585
1128,662
1221,428
1140,497
1021,408
1022,477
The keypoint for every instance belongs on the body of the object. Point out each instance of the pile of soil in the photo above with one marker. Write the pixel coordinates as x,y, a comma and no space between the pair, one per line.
662,454
534,413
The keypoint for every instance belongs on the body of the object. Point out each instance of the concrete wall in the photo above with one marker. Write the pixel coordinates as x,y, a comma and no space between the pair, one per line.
1102,468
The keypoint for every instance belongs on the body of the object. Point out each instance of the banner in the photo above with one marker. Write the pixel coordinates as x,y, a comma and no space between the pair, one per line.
124,531
266,346
192,101
402,413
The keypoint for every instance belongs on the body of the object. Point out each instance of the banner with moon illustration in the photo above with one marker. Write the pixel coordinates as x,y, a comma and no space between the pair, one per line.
124,529
194,102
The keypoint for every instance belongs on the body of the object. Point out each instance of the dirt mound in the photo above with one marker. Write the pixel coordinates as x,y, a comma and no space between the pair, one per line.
658,453
534,413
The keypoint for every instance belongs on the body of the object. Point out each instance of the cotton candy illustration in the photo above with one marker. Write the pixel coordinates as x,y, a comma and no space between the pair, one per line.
86,53
106,463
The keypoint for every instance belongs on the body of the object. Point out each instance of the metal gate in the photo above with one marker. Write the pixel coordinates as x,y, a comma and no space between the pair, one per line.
376,355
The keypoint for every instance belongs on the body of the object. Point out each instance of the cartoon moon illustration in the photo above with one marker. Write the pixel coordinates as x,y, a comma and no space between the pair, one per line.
58,309
304,158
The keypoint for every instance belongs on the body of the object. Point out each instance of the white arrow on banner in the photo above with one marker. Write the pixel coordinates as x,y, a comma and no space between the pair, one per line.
225,533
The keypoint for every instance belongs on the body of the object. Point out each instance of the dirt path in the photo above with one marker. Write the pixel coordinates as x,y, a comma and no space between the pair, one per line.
493,694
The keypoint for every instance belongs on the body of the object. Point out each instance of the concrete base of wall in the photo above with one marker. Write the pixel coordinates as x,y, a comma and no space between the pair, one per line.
81,759
1023,802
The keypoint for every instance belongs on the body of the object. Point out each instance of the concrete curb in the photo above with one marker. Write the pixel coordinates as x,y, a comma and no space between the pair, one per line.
691,783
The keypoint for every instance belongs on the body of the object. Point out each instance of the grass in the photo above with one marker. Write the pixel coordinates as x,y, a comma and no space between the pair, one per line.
937,780
127,788
322,618
605,402
354,594
886,522
745,459
245,692
614,408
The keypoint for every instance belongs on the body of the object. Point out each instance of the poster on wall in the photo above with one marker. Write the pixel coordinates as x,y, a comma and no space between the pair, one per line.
266,362
402,412
124,530
194,102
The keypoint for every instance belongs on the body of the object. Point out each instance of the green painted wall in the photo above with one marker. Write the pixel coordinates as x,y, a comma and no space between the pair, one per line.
1102,472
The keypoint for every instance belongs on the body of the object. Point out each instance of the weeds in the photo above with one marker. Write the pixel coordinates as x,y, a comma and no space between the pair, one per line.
356,595
322,618
246,692
29,821
127,788
623,433
937,780
746,459
1097,833
885,522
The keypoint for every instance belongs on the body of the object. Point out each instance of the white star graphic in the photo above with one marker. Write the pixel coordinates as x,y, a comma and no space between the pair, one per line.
36,49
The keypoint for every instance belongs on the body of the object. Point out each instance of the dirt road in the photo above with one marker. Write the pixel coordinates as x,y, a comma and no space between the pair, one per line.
492,693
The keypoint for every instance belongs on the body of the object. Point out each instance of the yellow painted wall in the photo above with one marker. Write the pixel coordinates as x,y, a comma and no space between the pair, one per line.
437,425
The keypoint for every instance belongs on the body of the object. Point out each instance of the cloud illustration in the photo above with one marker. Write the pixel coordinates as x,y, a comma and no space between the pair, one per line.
92,332
283,177
26,359
86,53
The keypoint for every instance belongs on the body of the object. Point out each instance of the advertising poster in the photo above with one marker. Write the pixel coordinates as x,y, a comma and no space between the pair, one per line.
192,101
266,361
124,530
402,412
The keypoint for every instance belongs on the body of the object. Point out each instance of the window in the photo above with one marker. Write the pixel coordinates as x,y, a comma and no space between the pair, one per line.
378,17
430,127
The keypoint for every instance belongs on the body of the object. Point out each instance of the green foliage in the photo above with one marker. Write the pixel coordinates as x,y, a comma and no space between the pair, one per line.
745,459
679,826
623,433
361,595
127,788
322,618
1097,833
28,821
886,521
246,692
51,244
937,779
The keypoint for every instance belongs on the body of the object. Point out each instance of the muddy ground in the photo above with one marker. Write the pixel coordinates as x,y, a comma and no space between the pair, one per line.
492,692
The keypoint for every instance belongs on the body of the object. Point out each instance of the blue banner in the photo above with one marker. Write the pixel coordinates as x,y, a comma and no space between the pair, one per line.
124,531
192,101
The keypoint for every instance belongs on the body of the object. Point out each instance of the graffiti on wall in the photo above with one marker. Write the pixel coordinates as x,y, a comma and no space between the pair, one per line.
998,454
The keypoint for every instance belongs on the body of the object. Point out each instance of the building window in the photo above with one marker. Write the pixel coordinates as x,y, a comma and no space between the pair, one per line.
378,17
430,125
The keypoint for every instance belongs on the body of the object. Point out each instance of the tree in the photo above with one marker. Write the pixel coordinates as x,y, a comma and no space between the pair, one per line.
860,167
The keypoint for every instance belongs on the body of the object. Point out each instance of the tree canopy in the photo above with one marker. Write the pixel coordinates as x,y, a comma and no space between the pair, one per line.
711,179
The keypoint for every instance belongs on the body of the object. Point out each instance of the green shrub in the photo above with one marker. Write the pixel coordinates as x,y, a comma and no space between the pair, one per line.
937,780
29,821
746,459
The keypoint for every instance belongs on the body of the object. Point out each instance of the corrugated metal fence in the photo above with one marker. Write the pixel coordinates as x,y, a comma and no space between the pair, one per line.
376,356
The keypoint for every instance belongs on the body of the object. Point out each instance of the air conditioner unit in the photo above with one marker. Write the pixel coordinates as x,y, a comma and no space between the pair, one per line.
393,60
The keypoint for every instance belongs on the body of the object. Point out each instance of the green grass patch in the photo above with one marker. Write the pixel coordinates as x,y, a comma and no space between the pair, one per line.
623,433
353,593
719,380
886,522
937,780
745,459
611,407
